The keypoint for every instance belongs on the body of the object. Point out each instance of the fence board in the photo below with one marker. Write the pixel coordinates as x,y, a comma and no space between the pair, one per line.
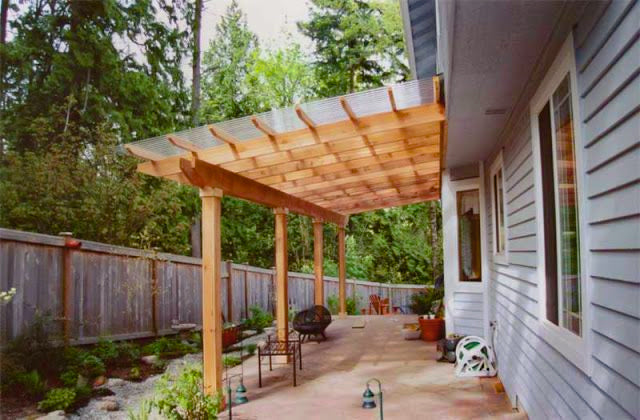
113,288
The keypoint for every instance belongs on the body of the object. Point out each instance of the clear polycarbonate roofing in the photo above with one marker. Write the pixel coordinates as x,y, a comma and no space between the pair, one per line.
323,111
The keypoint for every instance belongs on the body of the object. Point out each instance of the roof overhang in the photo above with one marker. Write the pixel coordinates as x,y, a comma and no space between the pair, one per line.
325,159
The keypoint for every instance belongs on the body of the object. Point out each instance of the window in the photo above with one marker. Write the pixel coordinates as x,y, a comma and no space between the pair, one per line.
470,258
560,195
499,215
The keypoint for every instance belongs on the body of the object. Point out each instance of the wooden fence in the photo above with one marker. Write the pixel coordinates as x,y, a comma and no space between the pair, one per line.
99,290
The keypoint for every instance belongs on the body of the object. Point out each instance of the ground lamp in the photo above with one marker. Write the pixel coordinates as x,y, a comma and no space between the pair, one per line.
368,397
241,390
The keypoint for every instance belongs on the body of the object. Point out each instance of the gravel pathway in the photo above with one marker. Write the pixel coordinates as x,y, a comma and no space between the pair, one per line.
128,395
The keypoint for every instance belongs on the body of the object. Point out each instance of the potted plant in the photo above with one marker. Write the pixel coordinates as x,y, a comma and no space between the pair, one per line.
429,305
230,334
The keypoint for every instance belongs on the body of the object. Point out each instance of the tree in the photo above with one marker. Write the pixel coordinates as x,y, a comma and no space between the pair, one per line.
358,44
195,63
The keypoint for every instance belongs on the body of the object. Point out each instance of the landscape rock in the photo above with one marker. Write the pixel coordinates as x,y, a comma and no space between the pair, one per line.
58,414
249,333
114,383
108,404
150,360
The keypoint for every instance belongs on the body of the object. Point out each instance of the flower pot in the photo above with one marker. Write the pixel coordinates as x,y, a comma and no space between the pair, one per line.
230,336
432,329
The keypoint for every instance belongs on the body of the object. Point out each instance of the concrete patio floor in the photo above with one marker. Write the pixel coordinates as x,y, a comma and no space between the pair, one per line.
334,373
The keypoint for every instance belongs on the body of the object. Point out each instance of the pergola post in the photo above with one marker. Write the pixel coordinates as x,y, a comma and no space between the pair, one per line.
211,290
318,254
282,295
342,273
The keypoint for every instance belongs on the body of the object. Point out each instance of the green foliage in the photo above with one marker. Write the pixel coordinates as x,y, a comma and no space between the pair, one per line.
128,352
426,303
251,349
91,366
69,377
358,44
58,399
230,361
143,412
351,303
259,319
106,350
166,345
32,383
134,373
183,397
196,339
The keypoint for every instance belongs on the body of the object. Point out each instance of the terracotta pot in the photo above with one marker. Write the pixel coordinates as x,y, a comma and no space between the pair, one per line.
432,329
230,336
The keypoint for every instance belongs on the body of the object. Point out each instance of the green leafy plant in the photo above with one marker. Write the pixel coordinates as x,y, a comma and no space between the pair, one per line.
91,366
33,384
106,350
426,303
143,412
134,373
166,345
58,399
128,352
184,398
231,361
69,377
251,349
196,338
259,319
351,303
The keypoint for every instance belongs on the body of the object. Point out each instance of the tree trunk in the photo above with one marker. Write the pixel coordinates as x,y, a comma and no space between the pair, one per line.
4,14
195,86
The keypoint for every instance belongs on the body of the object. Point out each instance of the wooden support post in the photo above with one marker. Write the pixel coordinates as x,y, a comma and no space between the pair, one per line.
342,273
282,295
67,287
318,263
211,290
229,291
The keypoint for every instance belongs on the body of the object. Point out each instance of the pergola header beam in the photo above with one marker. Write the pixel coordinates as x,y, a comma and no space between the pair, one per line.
203,174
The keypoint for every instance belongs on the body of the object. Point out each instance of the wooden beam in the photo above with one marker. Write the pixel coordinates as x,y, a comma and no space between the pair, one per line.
282,268
417,188
223,135
305,118
184,145
348,110
263,126
143,153
318,263
248,189
392,99
379,124
211,291
436,89
342,273
389,202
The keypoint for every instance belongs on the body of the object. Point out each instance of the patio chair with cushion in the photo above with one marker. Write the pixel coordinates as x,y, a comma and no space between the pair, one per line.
312,322
381,306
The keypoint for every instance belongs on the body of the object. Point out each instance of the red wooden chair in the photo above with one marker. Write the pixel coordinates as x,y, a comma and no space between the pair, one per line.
381,306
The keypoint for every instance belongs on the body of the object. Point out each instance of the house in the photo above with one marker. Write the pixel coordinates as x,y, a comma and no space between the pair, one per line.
541,192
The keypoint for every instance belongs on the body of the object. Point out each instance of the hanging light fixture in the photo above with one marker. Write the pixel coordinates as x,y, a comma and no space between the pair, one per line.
369,398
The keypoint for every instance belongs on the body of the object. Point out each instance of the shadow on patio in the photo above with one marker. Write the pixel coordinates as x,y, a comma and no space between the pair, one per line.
334,373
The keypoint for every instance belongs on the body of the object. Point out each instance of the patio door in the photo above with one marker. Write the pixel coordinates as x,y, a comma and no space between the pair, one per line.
465,270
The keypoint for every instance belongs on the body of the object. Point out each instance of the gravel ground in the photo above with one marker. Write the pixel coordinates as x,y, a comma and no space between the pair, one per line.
129,395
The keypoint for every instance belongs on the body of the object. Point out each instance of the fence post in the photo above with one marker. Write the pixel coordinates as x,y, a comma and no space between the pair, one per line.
67,284
229,291
154,295
246,293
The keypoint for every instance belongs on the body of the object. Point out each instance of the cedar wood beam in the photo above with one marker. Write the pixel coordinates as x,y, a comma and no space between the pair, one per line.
203,174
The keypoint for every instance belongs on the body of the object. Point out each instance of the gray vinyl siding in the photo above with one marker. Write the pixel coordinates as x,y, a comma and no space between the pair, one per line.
467,313
547,385
422,15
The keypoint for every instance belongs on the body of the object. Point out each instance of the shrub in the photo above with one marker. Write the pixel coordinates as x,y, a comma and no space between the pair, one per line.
91,366
129,352
167,345
106,350
134,373
69,377
259,319
58,399
424,303
351,303
10,370
32,383
251,349
230,361
33,347
334,304
184,398
196,338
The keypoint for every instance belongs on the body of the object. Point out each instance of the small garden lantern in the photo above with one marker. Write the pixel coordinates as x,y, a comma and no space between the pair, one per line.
241,394
368,397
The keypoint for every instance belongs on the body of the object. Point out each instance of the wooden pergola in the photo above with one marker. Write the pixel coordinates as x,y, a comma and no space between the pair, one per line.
327,159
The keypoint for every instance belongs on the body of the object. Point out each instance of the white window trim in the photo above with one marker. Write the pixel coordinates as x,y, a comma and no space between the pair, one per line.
573,347
499,257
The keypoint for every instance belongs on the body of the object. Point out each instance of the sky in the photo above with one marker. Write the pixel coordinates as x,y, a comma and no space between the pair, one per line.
268,19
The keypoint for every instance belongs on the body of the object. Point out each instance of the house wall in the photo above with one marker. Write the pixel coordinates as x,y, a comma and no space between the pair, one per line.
535,374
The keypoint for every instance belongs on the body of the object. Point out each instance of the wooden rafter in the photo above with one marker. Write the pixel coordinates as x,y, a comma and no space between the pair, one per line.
392,99
142,153
389,202
184,144
305,118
